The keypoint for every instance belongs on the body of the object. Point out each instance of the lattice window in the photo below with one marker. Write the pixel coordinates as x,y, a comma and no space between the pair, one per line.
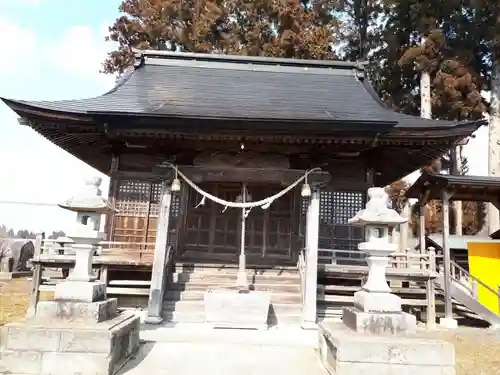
133,198
345,205
175,205
155,198
336,208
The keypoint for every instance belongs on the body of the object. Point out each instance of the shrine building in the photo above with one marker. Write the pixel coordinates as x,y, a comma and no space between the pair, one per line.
179,125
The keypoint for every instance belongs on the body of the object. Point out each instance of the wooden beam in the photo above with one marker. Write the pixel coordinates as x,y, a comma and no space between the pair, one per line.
199,174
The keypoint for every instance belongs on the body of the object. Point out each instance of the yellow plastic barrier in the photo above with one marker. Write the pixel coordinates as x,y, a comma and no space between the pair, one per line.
484,263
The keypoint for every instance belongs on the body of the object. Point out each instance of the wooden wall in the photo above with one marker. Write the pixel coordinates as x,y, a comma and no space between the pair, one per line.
137,203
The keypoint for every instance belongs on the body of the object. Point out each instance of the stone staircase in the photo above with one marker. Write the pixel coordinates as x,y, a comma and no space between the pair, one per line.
183,301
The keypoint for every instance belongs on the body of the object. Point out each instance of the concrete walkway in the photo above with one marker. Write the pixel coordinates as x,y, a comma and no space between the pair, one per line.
191,350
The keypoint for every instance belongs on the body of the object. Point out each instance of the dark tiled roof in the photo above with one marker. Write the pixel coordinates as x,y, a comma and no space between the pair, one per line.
465,188
227,87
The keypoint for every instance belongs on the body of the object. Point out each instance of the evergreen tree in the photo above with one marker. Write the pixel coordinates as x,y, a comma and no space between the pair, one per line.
287,28
394,30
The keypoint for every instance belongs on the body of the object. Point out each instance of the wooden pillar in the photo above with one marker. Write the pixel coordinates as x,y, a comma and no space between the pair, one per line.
404,227
158,276
457,205
448,306
37,279
431,290
112,193
421,226
311,258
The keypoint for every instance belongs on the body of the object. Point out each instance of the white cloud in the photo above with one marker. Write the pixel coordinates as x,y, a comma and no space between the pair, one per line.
18,46
77,54
81,51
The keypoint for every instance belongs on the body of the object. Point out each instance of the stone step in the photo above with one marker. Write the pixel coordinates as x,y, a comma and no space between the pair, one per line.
198,295
204,334
202,285
218,269
185,317
231,277
277,315
198,306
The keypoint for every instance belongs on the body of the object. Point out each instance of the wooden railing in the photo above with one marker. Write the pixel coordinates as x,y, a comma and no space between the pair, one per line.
401,260
137,251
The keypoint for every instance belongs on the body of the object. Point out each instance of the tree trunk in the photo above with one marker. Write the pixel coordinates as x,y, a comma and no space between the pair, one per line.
457,205
494,143
425,92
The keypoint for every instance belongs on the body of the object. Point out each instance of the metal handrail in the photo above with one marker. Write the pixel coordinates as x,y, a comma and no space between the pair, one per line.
471,278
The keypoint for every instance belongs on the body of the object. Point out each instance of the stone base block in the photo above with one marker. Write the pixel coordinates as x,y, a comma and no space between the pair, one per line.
68,349
344,352
15,275
77,312
379,323
80,291
448,323
377,302
231,309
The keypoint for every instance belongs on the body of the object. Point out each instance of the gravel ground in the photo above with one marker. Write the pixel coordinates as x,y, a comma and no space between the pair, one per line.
477,350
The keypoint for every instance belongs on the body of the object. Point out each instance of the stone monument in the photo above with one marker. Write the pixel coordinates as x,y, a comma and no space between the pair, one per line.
80,331
376,336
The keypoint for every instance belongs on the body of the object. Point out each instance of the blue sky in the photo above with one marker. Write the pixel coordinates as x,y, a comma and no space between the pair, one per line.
53,50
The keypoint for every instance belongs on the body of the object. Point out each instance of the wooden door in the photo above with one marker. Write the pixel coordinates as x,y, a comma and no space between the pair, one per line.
269,235
213,234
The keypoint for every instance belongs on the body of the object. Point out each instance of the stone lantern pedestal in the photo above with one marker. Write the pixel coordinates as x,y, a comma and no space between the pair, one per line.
80,331
376,336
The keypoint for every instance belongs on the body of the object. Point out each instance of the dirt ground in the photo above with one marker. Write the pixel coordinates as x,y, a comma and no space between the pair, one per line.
14,299
477,350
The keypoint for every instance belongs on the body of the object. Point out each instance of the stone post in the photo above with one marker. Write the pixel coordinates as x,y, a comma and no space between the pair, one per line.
159,271
311,259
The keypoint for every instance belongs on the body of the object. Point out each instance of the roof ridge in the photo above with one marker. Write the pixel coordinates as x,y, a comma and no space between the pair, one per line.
141,56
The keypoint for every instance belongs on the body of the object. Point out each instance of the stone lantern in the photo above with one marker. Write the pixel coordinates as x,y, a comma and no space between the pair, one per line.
375,336
80,331
375,305
89,206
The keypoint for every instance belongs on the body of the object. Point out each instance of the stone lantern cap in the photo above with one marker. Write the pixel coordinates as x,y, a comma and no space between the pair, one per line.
377,211
89,199
63,239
